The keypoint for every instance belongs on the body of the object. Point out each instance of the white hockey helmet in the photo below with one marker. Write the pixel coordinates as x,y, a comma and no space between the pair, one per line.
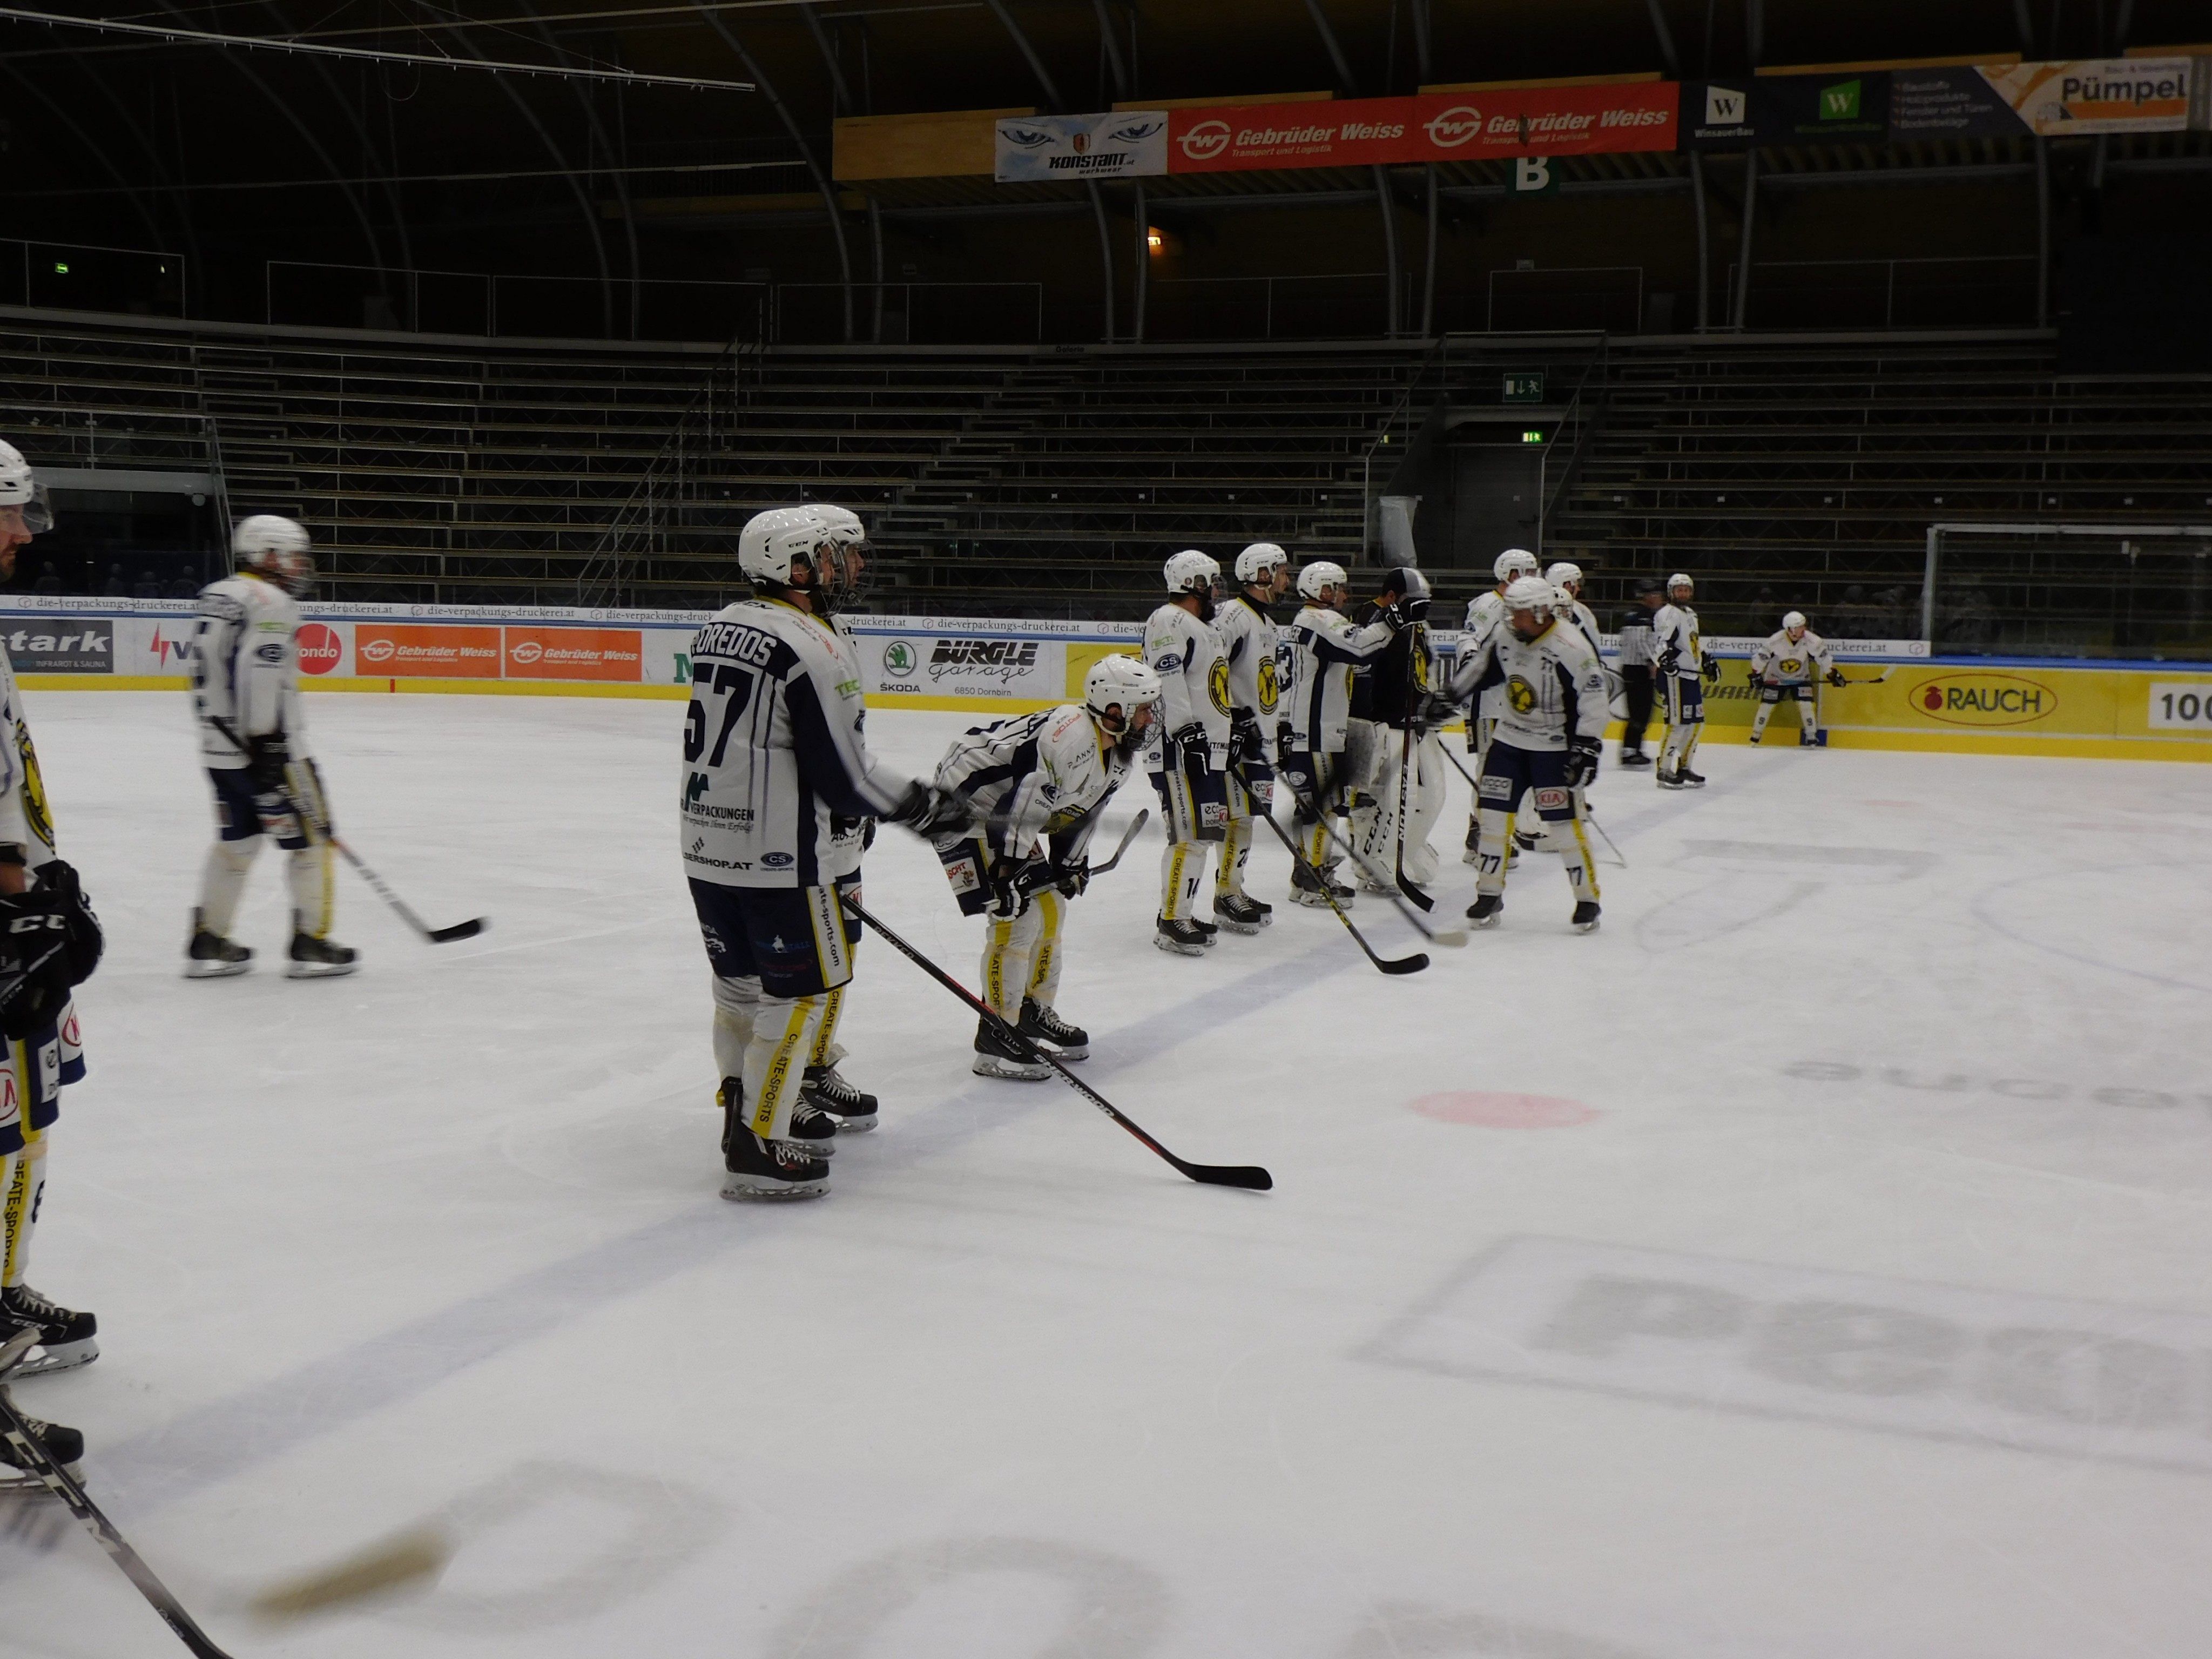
1515,562
1794,624
1531,593
1124,681
1563,601
843,525
20,487
1253,563
1563,575
1319,577
771,542
1193,571
840,570
278,549
1677,579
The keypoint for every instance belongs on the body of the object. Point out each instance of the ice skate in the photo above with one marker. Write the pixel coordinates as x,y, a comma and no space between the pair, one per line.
1240,915
826,1091
67,1337
997,1056
64,1446
758,1168
1686,779
813,1128
1635,758
1318,888
1179,937
1667,779
1486,909
210,956
1585,920
1042,1025
318,958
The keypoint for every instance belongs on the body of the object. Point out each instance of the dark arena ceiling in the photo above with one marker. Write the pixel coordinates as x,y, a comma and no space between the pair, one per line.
230,157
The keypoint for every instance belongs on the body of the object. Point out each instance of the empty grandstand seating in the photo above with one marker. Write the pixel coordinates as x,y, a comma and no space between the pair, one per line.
1783,470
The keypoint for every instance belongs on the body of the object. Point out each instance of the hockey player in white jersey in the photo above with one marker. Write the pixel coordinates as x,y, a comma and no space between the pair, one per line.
1568,578
245,674
1036,785
1788,665
1250,641
1684,668
1327,651
1188,755
774,752
1485,611
1395,692
1547,742
822,1085
49,942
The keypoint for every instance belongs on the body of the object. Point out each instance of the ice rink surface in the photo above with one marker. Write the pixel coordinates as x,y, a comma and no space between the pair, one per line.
1811,1262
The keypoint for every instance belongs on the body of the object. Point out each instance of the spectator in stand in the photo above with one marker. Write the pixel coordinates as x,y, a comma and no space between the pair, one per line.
115,587
183,589
48,582
148,587
1854,617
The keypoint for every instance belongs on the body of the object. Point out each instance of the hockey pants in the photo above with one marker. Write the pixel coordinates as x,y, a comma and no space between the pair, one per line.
1686,721
780,956
1194,810
1805,696
1021,955
1508,774
242,822
1377,833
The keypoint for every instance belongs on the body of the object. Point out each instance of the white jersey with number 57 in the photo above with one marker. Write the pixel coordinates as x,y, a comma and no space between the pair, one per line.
774,759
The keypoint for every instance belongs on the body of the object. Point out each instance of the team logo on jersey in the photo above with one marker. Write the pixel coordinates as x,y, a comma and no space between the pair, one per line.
1271,689
1217,684
1791,664
1519,695
35,814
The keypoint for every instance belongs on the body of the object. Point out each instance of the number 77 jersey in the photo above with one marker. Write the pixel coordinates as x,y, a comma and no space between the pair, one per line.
772,745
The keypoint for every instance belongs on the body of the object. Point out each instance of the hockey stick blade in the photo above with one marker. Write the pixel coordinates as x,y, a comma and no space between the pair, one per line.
1414,918
1251,1176
458,930
468,929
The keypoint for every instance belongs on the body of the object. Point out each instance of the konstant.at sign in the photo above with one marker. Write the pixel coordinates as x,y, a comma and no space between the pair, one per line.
1436,126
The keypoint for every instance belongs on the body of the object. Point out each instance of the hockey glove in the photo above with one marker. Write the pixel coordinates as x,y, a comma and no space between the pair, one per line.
867,833
1713,670
1836,677
1284,738
1670,660
1073,877
34,981
58,881
1192,753
1244,742
1009,899
1581,760
266,757
931,812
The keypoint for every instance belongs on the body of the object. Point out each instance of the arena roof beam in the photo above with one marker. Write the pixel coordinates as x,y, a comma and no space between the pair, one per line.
767,89
620,178
184,34
1668,55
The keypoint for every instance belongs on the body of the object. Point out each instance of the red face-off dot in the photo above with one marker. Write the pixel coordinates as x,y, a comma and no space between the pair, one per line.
1504,1111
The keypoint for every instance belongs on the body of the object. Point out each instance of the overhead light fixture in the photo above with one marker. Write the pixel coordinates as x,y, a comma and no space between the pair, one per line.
1155,241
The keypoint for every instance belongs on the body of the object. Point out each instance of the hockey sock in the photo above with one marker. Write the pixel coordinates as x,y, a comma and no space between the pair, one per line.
1051,911
1759,720
1182,868
1693,731
1570,837
1009,948
825,1051
1236,848
1806,720
1316,847
736,1003
222,881
314,891
25,1182
1496,842
783,1035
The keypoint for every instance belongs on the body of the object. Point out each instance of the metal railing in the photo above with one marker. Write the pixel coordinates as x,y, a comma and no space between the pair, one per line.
93,276
327,295
1347,305
1967,289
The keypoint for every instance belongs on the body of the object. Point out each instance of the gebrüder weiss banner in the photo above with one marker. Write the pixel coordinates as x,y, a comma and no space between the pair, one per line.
1436,126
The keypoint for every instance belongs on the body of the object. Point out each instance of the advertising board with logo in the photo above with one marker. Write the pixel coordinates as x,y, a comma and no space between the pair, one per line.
994,667
1123,144
62,644
414,651
1436,126
321,648
1787,109
575,654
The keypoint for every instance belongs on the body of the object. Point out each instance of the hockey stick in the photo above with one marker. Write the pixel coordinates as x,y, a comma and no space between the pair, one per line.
1445,936
468,929
318,824
1247,1175
34,1457
1412,964
1051,875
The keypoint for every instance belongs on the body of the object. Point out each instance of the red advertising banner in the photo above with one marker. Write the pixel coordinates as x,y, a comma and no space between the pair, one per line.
1436,126
575,654
414,651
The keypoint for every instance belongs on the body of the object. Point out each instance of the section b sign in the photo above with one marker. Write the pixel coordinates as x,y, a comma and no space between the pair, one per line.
1123,144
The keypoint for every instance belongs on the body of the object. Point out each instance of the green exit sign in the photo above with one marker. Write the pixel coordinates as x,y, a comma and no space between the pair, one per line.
1524,388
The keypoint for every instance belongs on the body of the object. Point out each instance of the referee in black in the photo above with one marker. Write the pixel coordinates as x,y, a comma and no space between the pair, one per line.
1635,666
